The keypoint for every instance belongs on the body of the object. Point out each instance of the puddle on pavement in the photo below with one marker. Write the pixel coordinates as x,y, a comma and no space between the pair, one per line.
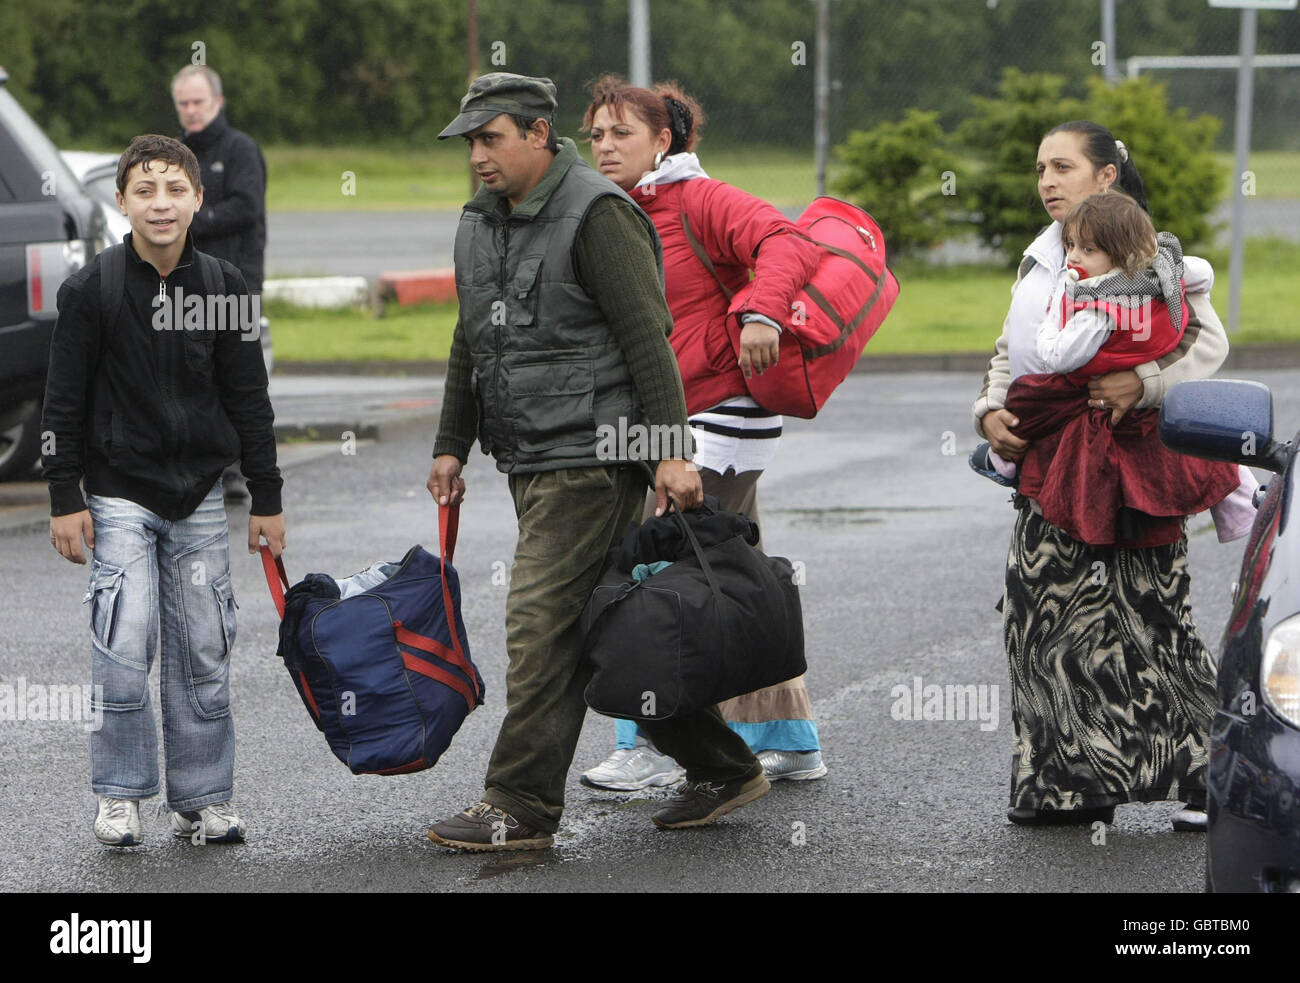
853,516
517,861
580,819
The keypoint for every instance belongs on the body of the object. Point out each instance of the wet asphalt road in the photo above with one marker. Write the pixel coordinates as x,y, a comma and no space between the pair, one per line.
903,549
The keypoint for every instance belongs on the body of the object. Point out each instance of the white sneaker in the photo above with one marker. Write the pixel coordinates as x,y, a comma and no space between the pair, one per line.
629,769
209,824
799,766
1189,820
118,822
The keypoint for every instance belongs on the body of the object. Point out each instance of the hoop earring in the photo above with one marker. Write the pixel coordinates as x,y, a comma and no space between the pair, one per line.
659,159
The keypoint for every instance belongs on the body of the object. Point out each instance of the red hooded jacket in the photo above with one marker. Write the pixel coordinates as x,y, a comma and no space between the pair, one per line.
1143,332
730,225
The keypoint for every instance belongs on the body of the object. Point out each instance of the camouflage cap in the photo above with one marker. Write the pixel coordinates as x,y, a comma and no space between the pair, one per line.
502,92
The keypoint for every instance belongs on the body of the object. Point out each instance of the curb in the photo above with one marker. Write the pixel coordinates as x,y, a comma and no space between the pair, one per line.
285,433
410,367
320,291
20,518
416,287
379,431
1262,357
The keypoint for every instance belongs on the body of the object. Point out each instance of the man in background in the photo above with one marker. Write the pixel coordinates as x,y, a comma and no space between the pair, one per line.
232,223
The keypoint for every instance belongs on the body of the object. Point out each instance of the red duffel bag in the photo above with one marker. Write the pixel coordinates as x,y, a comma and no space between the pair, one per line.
832,318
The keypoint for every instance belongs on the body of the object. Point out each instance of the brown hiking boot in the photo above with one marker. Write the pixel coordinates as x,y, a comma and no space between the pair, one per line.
484,828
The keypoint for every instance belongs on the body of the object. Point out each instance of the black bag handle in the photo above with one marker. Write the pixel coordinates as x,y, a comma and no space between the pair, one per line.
695,545
704,566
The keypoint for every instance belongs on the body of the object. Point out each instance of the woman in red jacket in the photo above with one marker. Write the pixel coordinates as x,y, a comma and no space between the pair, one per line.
642,140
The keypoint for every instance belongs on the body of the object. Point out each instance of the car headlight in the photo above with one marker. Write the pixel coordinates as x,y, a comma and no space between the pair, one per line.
1280,670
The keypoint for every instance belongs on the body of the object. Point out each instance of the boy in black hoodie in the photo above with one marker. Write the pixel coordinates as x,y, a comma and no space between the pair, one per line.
155,384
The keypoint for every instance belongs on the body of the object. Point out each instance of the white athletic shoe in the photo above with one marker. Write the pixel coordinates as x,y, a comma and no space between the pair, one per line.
630,769
212,824
118,822
1188,820
799,766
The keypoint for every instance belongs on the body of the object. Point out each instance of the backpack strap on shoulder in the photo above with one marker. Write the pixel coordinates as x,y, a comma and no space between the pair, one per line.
112,285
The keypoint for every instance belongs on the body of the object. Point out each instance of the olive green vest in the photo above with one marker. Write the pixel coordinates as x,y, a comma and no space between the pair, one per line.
548,372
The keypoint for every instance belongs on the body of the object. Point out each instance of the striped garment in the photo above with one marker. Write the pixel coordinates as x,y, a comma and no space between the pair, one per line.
737,434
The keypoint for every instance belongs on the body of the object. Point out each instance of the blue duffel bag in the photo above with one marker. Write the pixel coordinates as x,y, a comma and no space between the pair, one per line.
381,660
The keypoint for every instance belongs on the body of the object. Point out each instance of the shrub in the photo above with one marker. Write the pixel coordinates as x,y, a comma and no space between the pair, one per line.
1005,133
1172,151
897,171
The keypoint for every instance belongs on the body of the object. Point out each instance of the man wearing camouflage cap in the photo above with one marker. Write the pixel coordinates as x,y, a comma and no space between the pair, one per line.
563,331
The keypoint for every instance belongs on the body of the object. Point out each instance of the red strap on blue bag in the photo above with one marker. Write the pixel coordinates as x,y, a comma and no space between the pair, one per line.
448,526
276,578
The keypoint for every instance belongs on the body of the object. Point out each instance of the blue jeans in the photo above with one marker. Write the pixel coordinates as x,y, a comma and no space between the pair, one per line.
152,576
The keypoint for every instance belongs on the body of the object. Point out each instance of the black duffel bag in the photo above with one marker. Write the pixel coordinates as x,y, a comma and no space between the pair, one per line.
722,619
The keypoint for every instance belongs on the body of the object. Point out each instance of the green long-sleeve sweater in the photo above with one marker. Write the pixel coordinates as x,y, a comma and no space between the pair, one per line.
616,264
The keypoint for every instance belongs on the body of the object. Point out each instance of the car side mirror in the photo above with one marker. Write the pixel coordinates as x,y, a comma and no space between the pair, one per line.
1222,420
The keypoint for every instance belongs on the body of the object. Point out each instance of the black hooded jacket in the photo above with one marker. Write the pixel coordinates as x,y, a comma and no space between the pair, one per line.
153,411
231,225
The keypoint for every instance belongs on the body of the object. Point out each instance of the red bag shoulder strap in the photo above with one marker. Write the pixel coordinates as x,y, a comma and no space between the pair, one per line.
703,256
278,580
448,526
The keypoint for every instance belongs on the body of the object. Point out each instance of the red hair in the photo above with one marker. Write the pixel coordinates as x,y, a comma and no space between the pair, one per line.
652,107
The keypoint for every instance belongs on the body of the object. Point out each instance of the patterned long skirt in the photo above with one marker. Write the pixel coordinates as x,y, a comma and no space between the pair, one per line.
1112,688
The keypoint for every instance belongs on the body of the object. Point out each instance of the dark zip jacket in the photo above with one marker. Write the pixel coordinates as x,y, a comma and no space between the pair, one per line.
154,414
231,225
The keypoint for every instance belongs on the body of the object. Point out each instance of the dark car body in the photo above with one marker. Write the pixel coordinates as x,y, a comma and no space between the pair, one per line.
49,228
97,173
1253,810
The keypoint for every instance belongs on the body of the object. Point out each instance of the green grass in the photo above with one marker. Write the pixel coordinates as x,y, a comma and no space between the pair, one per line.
786,178
404,334
311,178
952,309
945,309
1277,173
1270,294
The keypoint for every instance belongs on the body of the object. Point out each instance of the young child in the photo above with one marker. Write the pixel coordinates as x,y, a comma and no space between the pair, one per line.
153,388
1123,304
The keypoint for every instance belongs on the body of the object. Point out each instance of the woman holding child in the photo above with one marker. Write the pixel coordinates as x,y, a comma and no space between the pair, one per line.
1112,687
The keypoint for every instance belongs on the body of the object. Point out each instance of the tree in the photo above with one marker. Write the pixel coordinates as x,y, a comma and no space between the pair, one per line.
1004,133
1172,151
899,172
